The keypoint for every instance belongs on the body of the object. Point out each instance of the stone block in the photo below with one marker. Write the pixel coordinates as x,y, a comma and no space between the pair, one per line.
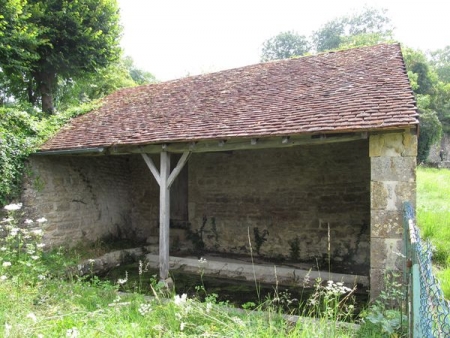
386,253
380,195
393,145
386,145
393,169
386,224
410,145
376,282
390,195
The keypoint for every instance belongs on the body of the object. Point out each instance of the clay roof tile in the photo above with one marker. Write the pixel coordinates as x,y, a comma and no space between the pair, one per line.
356,89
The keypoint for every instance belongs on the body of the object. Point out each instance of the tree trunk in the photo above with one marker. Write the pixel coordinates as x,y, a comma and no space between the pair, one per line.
45,83
30,92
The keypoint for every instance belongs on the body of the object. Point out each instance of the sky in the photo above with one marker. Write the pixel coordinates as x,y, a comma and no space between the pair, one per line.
176,38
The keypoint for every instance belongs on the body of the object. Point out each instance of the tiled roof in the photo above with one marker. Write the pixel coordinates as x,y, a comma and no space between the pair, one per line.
357,89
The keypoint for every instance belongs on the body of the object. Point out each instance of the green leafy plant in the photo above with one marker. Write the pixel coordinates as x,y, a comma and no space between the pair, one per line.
385,313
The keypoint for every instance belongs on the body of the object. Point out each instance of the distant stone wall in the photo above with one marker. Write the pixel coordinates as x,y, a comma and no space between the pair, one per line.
434,157
83,198
393,182
290,193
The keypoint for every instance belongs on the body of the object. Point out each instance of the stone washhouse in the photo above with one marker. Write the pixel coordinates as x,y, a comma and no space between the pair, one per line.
306,160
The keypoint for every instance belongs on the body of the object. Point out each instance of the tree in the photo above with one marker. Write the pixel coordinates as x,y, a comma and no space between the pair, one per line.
440,59
285,45
330,35
138,75
120,74
430,133
368,27
64,40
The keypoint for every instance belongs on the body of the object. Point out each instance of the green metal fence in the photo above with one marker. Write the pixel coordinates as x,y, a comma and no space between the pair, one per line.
428,311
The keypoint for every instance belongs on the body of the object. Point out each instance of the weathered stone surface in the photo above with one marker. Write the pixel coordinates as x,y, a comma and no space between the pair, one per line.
82,198
393,145
386,224
289,193
376,282
402,169
410,144
390,195
386,253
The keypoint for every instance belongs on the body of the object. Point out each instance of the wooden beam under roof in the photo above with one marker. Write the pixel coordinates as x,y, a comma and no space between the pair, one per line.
239,144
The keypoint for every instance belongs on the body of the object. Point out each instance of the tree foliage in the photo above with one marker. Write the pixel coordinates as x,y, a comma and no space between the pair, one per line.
368,27
285,45
430,133
53,40
120,74
440,59
429,74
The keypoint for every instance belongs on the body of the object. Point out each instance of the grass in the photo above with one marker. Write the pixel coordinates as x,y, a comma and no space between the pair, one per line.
38,299
57,308
433,218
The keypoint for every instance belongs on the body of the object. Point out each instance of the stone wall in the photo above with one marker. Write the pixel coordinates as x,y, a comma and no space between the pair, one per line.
83,198
434,158
350,193
288,193
393,182
145,198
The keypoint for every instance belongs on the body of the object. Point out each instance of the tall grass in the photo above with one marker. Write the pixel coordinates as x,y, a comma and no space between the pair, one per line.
433,218
38,300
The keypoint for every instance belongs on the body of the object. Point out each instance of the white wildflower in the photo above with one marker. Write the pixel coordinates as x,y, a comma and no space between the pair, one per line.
144,308
34,257
6,264
3,248
7,220
14,232
32,316
28,221
182,325
41,220
238,321
38,232
180,300
40,245
122,281
158,327
30,249
8,328
208,307
3,278
72,333
41,277
202,260
91,261
13,207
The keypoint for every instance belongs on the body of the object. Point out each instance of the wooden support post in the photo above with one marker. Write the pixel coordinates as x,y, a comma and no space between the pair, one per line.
165,180
164,215
152,167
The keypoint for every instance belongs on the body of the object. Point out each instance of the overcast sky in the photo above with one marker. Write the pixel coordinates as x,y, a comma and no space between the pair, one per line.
175,38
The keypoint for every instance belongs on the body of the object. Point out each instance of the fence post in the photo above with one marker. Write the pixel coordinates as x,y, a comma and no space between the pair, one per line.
410,239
